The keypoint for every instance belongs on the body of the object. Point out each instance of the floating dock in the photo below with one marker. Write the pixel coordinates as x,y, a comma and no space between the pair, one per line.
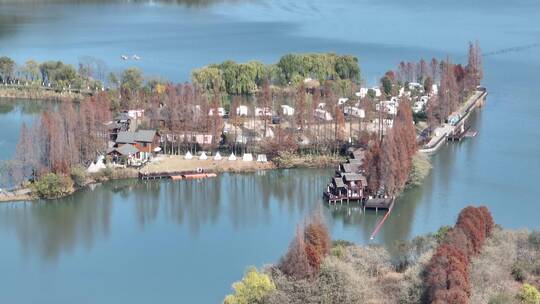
175,175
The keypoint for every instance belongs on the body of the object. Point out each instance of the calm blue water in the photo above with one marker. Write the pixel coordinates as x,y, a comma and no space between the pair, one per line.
187,242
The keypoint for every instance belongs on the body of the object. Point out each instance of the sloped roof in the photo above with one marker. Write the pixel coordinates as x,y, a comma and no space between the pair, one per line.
355,161
145,135
338,182
122,116
351,168
363,179
125,137
358,154
352,177
127,150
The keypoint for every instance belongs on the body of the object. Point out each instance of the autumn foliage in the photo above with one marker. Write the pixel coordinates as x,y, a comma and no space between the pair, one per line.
307,250
388,163
62,139
447,278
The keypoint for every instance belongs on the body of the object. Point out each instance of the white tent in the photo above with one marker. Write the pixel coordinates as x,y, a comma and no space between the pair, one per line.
188,155
203,156
96,167
218,156
247,157
232,157
261,158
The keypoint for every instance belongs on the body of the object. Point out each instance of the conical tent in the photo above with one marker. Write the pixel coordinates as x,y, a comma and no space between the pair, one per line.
232,157
203,156
188,155
217,156
247,157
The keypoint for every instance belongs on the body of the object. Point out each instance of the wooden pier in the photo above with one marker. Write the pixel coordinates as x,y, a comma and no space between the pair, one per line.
178,175
459,133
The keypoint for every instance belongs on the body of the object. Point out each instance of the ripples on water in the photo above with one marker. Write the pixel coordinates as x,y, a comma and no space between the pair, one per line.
197,238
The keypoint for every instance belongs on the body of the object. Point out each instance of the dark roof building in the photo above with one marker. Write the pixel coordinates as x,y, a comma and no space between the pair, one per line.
127,137
338,182
145,135
124,150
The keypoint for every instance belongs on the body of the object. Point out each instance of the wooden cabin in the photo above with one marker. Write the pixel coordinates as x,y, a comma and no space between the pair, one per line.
145,141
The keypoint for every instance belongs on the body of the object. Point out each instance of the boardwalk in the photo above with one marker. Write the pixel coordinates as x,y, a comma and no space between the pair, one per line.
442,133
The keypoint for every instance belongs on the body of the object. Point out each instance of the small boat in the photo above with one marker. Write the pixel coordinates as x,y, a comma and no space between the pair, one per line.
199,175
471,134
124,57
135,57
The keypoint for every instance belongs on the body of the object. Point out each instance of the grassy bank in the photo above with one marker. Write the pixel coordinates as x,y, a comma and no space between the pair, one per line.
37,93
291,160
54,186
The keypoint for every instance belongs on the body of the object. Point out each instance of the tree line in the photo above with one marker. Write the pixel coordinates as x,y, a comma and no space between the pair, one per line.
388,160
248,78
62,139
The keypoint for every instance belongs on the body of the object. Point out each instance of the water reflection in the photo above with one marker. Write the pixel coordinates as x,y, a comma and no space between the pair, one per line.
49,229
235,202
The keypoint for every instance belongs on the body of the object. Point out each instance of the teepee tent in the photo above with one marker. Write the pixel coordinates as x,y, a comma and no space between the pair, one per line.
232,157
188,155
247,157
203,156
217,156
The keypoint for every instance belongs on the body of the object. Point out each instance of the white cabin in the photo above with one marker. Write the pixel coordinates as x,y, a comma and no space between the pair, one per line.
342,100
242,110
323,115
362,93
355,112
220,112
263,111
287,110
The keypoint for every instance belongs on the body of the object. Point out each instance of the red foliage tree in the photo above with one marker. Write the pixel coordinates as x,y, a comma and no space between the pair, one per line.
447,272
295,263
307,250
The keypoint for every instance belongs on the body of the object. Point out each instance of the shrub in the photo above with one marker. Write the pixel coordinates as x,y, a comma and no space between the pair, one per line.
78,175
502,298
253,288
440,235
52,186
107,172
529,294
534,239
339,283
518,273
343,243
338,251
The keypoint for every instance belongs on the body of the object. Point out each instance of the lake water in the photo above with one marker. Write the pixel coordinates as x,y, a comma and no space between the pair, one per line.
186,242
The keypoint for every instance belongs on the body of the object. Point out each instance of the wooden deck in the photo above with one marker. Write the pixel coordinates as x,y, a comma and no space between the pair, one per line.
371,203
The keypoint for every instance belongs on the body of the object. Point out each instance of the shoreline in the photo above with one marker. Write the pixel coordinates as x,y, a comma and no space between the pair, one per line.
177,163
475,101
33,93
